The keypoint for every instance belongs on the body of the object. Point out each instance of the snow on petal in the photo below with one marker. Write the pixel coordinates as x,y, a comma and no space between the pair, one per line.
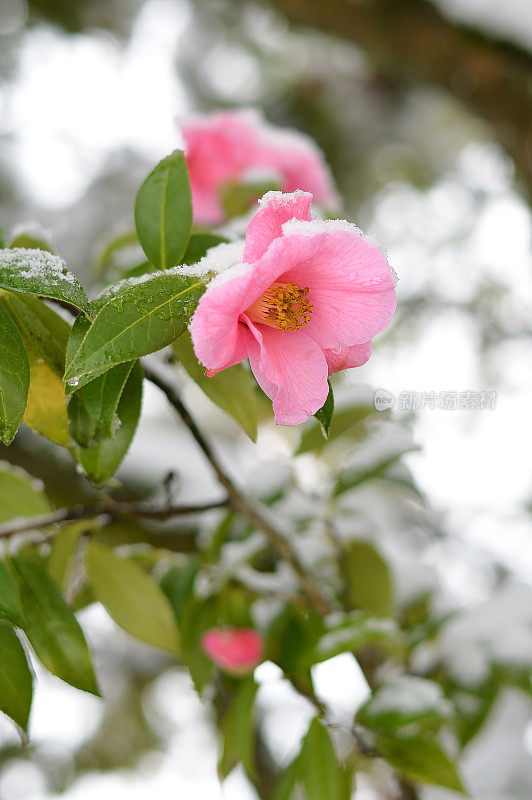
266,225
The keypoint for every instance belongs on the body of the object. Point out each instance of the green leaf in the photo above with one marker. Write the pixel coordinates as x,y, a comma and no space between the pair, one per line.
20,494
102,397
368,579
404,701
14,378
16,681
79,330
238,730
353,478
52,628
10,603
320,771
94,408
356,632
81,425
2,238
292,639
63,553
131,597
346,776
140,318
288,781
31,241
233,389
198,617
123,241
163,212
178,585
199,245
325,413
422,759
45,331
237,198
346,423
475,703
101,459
41,273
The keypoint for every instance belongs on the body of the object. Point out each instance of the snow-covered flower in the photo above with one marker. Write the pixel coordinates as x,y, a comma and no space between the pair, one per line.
237,650
306,301
241,147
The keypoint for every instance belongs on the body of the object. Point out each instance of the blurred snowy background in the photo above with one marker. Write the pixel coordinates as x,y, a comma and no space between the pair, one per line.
89,97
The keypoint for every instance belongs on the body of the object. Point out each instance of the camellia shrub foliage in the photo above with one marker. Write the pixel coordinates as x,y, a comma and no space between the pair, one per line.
301,298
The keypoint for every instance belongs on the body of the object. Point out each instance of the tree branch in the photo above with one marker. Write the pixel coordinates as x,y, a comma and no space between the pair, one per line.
412,40
111,509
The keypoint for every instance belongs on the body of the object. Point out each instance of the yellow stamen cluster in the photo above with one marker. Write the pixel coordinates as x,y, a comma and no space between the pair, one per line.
284,306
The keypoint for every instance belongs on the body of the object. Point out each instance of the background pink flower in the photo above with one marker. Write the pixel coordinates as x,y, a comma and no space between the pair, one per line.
240,146
237,650
306,301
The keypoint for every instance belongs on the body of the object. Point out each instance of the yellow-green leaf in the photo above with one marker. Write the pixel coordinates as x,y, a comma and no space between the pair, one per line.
421,758
20,494
133,599
46,410
368,579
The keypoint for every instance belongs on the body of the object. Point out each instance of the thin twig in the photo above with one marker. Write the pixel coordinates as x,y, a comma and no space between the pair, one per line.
255,513
111,509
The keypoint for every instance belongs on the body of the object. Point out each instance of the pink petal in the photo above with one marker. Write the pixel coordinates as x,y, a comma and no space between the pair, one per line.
206,204
236,650
292,370
219,339
266,225
342,319
308,170
347,357
225,146
298,159
351,284
339,258
218,149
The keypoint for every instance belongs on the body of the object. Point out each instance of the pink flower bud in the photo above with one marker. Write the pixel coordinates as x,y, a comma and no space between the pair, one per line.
236,650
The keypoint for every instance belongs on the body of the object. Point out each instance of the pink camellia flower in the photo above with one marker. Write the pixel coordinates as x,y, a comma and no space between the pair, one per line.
240,147
237,650
305,301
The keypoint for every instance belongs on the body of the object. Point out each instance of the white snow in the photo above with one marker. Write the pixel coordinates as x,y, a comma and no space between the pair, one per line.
220,259
36,265
409,695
